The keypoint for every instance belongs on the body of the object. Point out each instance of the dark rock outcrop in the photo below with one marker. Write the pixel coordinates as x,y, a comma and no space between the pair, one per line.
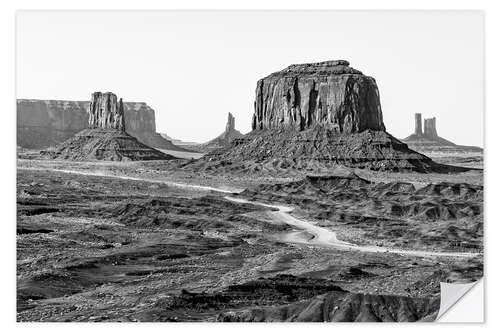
343,307
45,123
429,141
326,93
225,139
288,298
105,138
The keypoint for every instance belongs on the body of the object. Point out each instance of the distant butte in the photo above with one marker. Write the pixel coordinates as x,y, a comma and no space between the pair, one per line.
225,139
428,140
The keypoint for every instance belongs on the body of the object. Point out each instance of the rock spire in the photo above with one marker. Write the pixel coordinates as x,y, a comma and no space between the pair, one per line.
230,123
430,128
418,124
106,112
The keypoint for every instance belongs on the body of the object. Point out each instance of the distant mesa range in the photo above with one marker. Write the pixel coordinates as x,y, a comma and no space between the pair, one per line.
45,123
178,142
105,137
428,141
312,117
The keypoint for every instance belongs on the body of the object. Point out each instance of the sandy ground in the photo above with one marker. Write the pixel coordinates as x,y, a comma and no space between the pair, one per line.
182,154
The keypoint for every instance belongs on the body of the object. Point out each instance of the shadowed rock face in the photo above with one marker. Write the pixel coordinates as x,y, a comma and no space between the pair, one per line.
326,93
106,112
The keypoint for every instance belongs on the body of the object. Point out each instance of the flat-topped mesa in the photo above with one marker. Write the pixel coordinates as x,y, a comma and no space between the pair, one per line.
328,93
106,112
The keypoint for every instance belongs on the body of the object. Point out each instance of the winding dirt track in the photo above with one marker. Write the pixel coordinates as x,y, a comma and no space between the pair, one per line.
326,237
321,236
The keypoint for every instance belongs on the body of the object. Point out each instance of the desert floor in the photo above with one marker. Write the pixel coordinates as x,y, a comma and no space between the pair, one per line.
146,241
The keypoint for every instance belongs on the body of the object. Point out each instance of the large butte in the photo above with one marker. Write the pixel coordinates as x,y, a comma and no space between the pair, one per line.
314,117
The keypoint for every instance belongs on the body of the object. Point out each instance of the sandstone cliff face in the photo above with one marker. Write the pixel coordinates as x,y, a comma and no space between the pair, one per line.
327,93
44,123
140,118
106,112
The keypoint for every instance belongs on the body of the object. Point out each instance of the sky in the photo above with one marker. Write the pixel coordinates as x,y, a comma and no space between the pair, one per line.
193,67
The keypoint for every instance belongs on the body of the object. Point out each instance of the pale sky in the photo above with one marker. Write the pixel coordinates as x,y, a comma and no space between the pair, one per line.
193,67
